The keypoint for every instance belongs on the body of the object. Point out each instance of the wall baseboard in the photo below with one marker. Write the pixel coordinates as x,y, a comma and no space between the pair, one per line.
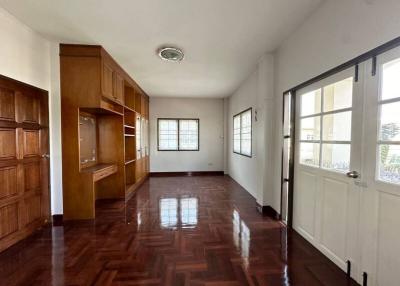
186,174
57,220
268,211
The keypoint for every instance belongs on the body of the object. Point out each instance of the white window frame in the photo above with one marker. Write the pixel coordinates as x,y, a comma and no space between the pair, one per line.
178,120
387,58
240,114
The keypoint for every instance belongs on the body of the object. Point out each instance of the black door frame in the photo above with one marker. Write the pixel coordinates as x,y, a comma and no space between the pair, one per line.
372,54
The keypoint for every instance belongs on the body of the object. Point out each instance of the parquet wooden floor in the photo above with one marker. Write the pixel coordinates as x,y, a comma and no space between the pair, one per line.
175,231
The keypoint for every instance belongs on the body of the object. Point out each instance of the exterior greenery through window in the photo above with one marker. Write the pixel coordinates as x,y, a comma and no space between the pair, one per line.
242,133
389,121
176,134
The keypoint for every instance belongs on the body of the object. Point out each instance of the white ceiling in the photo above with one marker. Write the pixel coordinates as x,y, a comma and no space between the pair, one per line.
222,39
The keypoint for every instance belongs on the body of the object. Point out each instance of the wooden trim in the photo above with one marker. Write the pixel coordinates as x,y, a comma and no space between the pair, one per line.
187,174
268,211
58,220
136,186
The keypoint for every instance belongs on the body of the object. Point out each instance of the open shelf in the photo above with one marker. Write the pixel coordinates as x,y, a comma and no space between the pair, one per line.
129,130
130,148
129,97
130,161
97,168
129,119
128,109
130,175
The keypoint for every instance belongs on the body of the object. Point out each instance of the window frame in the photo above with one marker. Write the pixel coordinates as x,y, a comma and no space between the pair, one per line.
321,85
178,135
240,133
380,103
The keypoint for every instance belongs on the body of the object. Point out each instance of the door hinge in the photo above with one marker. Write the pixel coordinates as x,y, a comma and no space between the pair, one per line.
374,66
348,268
365,278
356,73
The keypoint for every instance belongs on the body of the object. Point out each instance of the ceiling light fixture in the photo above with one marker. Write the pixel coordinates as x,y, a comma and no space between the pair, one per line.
172,54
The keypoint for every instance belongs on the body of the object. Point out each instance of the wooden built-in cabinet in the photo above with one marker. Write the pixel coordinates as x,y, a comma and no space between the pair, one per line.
104,130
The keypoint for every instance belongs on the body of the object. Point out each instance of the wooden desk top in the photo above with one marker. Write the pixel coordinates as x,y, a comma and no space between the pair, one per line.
97,168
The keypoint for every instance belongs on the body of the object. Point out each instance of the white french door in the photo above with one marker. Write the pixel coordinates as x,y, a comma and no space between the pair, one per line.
347,168
328,146
380,211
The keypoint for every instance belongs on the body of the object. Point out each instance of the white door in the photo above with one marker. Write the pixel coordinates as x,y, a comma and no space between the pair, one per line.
345,125
328,146
380,211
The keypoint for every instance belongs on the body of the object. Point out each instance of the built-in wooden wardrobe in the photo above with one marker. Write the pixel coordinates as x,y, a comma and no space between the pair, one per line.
24,160
105,130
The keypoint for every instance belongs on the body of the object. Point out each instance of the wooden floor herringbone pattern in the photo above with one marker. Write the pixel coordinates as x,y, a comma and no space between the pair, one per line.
175,231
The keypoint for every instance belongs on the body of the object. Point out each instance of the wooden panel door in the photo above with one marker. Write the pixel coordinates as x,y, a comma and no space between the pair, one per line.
24,165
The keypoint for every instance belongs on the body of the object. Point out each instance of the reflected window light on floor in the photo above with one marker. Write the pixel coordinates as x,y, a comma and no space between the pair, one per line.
241,235
189,212
176,213
139,220
169,212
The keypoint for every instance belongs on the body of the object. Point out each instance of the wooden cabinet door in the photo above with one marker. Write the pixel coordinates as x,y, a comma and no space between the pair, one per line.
118,88
143,105
24,164
107,81
138,100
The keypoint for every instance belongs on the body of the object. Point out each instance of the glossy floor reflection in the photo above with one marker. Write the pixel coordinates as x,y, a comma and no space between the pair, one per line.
175,231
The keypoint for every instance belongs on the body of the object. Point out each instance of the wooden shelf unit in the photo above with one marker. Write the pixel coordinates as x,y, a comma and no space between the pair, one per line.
101,105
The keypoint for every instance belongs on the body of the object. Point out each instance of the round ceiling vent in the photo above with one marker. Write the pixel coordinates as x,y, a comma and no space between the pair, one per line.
171,54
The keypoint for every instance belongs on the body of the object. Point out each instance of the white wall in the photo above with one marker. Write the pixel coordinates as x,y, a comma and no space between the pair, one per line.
28,57
338,31
211,155
55,131
254,174
25,55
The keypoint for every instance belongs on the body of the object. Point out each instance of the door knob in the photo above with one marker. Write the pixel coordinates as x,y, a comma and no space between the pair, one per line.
353,174
46,156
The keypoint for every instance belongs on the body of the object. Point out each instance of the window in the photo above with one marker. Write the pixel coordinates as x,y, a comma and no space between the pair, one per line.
389,124
242,132
188,134
178,134
325,126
